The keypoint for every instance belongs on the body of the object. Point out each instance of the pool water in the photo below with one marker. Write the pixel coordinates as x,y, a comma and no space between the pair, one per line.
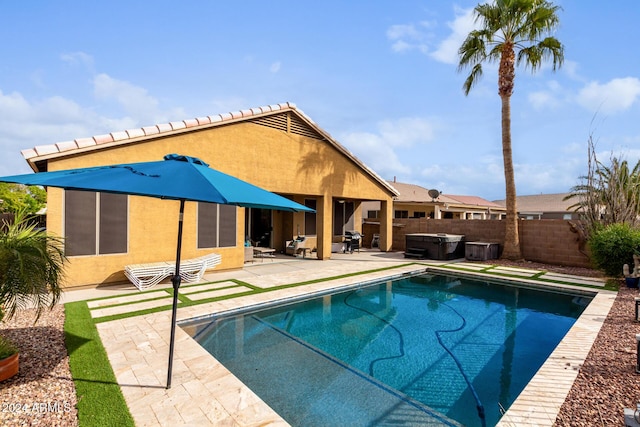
422,350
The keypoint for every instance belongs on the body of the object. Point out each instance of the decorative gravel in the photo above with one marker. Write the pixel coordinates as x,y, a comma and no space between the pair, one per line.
607,382
42,393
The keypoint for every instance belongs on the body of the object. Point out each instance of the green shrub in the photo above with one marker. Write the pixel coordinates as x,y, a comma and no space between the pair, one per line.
6,348
613,246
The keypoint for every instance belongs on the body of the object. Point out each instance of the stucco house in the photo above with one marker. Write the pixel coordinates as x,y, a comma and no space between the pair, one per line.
275,147
415,201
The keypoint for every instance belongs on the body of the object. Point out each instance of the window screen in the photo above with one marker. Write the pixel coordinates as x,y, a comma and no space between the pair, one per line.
95,223
80,223
227,224
207,225
113,223
216,225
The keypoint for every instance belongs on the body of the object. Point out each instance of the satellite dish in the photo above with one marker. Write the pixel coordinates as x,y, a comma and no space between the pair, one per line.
434,194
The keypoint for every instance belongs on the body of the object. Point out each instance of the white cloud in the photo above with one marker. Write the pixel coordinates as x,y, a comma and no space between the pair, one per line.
571,68
405,132
541,178
378,150
401,46
549,98
232,103
81,58
129,96
406,37
275,67
401,31
447,50
463,178
134,100
420,37
26,124
542,99
375,153
613,97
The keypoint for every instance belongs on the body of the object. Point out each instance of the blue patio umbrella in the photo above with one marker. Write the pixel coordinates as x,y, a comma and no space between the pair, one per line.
177,177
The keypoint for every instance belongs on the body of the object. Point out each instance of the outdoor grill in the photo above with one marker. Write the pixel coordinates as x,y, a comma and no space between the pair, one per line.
352,241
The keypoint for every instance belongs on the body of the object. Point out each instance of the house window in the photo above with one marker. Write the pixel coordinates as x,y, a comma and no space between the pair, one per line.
216,225
419,214
373,214
95,223
401,214
310,218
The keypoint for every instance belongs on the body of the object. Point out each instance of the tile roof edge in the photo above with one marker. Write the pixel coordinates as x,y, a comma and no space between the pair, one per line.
53,150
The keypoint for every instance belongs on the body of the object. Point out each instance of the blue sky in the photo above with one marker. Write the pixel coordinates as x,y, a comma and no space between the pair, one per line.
379,76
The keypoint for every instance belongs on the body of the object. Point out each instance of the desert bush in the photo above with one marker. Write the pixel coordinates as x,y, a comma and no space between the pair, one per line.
609,193
613,245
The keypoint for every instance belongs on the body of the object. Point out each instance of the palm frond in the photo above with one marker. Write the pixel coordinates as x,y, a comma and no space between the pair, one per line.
473,78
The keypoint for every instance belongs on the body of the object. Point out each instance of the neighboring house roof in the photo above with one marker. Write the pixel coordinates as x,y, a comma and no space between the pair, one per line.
542,203
37,157
474,201
411,193
414,193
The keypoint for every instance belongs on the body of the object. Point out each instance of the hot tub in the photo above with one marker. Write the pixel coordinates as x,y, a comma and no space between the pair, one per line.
438,246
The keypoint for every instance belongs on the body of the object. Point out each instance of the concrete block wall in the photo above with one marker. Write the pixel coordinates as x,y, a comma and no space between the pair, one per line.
550,241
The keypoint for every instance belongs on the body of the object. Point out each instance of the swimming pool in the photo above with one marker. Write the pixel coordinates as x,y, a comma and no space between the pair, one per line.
422,350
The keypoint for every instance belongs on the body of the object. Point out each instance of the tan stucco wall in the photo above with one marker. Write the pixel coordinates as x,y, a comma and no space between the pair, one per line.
285,163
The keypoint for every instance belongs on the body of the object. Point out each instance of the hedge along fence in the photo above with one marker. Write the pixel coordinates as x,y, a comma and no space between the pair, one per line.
550,241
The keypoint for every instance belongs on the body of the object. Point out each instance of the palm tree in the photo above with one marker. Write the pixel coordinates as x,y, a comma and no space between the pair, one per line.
508,27
31,267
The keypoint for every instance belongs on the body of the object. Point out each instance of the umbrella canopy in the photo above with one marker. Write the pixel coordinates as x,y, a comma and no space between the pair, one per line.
177,177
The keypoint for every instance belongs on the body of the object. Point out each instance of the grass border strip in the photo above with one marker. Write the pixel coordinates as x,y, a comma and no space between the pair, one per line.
100,400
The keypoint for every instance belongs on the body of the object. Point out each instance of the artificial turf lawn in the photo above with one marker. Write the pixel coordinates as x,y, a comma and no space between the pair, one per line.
100,401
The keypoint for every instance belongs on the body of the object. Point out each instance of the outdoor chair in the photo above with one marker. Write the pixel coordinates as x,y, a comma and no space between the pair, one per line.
300,245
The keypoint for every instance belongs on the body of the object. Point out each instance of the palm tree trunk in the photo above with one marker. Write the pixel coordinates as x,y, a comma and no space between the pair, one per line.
511,238
506,78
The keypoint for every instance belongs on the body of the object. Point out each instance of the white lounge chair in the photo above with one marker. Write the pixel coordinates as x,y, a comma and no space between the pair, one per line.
144,276
192,270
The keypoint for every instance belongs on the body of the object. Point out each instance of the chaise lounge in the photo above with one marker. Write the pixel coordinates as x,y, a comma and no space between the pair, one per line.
145,276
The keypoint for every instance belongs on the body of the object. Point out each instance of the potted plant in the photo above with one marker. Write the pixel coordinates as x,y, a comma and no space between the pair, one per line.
631,278
31,266
9,358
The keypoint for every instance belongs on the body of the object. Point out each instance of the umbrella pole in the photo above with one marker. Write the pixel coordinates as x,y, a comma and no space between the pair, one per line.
175,280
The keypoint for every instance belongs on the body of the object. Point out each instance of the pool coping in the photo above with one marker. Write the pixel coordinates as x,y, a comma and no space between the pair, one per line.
205,393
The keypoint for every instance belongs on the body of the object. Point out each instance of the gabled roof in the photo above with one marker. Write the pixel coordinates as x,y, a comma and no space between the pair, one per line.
274,116
411,193
542,203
